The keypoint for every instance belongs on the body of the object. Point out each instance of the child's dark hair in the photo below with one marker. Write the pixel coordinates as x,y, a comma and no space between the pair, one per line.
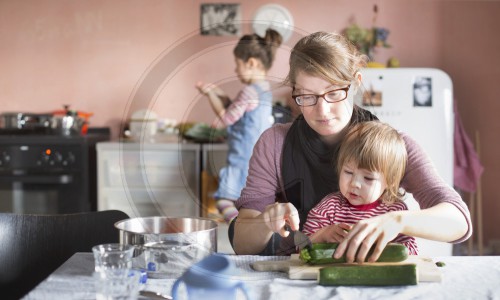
264,49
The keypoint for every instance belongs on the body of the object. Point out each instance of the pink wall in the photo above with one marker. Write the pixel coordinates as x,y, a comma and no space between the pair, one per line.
98,56
470,56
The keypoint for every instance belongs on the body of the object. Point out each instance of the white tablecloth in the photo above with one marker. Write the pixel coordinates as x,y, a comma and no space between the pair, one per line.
464,277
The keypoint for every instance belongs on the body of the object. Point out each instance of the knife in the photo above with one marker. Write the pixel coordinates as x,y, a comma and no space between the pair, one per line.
300,239
154,295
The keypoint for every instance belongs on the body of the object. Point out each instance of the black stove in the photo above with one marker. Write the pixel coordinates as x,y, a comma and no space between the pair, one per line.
35,131
45,173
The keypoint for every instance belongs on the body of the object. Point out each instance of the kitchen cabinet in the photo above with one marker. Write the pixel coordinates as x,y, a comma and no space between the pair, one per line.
149,179
214,157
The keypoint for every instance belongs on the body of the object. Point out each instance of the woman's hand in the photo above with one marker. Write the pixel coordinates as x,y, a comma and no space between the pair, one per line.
278,214
378,231
335,233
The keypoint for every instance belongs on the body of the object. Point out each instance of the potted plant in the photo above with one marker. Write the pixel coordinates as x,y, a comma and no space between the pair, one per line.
368,39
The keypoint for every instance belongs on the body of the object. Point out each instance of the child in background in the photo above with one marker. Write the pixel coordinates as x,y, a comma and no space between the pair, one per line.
371,164
246,117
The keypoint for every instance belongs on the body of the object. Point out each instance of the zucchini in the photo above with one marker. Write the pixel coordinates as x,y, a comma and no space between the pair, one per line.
370,275
322,253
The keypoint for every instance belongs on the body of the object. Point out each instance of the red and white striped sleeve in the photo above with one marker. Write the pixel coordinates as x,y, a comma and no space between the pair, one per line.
247,100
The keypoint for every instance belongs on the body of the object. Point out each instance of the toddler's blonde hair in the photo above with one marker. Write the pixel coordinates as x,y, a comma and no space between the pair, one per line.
376,146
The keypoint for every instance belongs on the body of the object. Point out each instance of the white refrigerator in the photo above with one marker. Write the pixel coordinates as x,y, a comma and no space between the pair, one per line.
418,101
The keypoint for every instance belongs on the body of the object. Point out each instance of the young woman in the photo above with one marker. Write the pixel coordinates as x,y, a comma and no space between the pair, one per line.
370,165
290,170
246,116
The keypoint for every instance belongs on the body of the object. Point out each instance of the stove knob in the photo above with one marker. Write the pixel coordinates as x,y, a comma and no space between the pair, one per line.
4,158
58,157
71,157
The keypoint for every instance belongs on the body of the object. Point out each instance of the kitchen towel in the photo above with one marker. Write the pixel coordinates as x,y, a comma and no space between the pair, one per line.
467,167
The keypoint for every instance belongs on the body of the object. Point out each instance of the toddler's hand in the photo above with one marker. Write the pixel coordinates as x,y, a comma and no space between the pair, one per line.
335,233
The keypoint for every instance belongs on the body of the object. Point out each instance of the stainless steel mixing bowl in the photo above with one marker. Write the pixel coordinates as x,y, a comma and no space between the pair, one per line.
198,237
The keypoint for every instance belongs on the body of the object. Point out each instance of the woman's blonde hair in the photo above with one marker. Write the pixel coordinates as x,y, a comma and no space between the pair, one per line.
376,146
330,56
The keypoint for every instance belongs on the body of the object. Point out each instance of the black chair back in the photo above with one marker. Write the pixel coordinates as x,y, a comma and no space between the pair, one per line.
33,246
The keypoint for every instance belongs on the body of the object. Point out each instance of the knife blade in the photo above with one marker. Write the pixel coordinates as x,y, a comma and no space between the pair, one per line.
300,239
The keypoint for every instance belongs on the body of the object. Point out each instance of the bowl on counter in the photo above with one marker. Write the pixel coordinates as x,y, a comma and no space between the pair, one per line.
143,125
167,246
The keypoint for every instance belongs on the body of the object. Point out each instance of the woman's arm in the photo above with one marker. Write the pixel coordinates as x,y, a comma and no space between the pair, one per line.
259,214
254,229
442,222
429,190
250,234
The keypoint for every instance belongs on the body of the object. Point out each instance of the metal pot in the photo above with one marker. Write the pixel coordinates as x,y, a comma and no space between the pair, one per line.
79,123
168,246
11,120
17,120
67,125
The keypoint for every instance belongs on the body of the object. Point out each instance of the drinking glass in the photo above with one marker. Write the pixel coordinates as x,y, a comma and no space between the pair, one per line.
112,256
113,276
117,284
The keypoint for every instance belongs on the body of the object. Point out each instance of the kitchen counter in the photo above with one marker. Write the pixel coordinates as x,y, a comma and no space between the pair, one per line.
464,277
161,178
149,179
166,139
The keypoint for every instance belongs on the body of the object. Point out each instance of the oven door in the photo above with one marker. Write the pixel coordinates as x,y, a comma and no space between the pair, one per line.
41,193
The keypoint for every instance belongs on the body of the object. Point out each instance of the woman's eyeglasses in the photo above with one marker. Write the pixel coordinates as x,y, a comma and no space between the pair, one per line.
332,96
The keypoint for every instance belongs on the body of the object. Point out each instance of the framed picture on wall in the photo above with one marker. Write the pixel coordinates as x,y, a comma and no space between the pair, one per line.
220,19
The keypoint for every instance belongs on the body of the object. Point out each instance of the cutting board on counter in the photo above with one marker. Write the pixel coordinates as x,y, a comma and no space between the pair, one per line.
297,269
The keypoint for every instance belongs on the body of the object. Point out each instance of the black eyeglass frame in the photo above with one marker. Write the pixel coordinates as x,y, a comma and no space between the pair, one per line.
346,89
